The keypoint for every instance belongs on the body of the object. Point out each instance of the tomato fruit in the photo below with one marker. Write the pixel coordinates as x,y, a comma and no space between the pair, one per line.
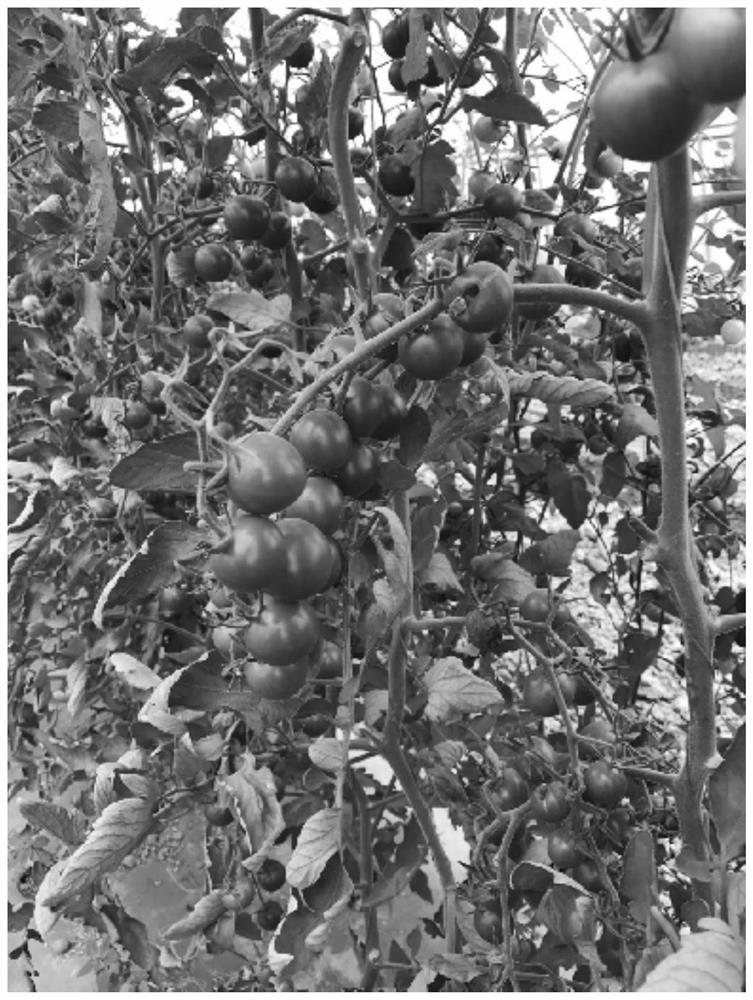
538,694
395,36
137,415
395,176
471,74
486,294
490,248
271,876
283,632
329,661
563,849
307,563
643,111
151,384
479,183
395,76
707,45
434,352
394,409
587,874
509,790
608,164
355,122
218,815
325,198
576,224
588,271
199,184
360,473
604,784
732,331
474,345
265,473
212,262
536,605
363,407
295,178
488,924
196,332
488,131
398,254
246,217
549,802
278,232
302,56
269,915
252,557
502,200
542,274
321,503
323,440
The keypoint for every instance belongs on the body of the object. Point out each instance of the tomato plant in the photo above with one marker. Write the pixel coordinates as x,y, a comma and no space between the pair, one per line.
482,295
605,785
265,473
323,439
433,353
307,560
246,217
252,557
283,632
295,178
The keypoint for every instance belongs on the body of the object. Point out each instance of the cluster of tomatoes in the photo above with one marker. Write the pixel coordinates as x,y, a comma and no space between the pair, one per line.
650,105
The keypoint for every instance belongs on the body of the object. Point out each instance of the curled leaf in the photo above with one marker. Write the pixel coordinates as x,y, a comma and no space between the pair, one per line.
206,911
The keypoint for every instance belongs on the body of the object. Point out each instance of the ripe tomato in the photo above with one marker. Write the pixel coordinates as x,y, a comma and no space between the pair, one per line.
490,247
269,915
488,131
323,440
471,74
398,254
549,802
271,876
487,297
326,197
587,272
576,224
307,563
355,122
608,163
509,790
588,875
707,45
265,473
394,409
246,217
283,632
395,36
295,178
732,331
360,472
536,605
474,345
432,353
252,557
302,56
329,661
363,407
395,76
395,176
502,200
276,682
542,274
563,849
538,694
278,232
212,262
199,184
196,332
321,503
605,785
642,109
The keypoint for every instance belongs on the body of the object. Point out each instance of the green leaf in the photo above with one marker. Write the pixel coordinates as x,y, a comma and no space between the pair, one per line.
635,421
318,840
711,961
614,470
552,555
638,882
102,200
59,119
569,492
433,170
505,106
453,690
159,466
396,874
727,798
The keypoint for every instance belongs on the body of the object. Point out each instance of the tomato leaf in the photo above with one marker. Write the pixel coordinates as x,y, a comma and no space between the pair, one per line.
614,470
204,913
727,798
453,690
415,431
506,106
635,421
396,874
327,753
251,310
159,466
134,672
102,200
638,882
55,819
711,961
255,801
569,492
440,575
433,169
425,524
552,555
318,840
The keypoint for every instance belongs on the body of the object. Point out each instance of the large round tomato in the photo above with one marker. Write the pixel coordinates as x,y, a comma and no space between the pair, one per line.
196,332
329,661
707,45
549,802
394,409
276,682
321,503
480,299
283,632
488,924
536,605
542,274
323,439
395,35
538,694
433,352
246,217
510,790
307,563
643,110
605,785
265,473
212,262
278,232
563,849
252,557
502,201
395,176
732,331
360,472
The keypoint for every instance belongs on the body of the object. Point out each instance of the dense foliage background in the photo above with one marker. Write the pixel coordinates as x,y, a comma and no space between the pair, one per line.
508,750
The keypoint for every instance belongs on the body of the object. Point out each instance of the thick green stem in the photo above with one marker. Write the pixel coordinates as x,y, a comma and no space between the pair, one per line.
354,45
572,295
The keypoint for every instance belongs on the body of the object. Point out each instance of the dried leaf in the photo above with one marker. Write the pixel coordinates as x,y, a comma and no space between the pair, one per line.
327,753
711,961
396,874
120,828
55,819
255,799
206,911
134,672
561,389
452,689
441,575
251,311
635,421
102,199
318,840
638,882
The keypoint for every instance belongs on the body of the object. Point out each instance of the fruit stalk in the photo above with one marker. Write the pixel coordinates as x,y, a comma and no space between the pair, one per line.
349,363
353,47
